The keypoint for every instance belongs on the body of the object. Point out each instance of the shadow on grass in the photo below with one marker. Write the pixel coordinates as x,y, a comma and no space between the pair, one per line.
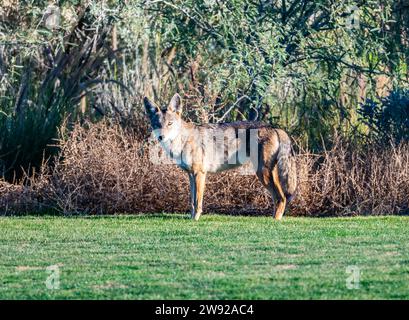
179,215
159,216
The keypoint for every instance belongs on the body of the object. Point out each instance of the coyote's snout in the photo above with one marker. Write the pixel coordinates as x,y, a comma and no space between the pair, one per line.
199,149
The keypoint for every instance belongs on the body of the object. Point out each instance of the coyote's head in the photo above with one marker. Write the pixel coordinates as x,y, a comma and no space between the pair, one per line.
166,123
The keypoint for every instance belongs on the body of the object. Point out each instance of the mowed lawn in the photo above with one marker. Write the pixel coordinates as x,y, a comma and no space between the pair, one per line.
219,257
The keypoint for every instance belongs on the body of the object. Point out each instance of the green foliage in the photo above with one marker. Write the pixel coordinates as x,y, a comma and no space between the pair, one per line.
297,64
288,58
40,89
27,133
388,118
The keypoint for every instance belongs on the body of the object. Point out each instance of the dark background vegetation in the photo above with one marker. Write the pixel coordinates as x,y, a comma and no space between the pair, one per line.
73,133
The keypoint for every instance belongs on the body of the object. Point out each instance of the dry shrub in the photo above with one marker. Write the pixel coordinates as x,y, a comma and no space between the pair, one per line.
102,169
348,180
17,199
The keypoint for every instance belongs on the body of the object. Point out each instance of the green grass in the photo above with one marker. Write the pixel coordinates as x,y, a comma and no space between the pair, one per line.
219,257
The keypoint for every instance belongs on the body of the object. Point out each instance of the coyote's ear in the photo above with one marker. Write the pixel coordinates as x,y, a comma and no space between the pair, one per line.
175,105
150,107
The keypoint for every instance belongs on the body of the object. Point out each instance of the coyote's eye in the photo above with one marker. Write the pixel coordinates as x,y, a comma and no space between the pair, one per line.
170,123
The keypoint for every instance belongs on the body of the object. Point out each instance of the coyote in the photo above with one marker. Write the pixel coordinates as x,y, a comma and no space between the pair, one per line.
199,149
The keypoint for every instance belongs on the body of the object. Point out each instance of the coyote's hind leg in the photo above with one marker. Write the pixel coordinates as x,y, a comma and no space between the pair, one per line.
282,200
266,177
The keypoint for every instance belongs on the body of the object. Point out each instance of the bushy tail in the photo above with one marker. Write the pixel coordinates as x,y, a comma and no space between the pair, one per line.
287,170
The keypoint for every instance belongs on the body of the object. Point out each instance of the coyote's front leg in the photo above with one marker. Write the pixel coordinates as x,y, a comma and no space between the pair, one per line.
197,185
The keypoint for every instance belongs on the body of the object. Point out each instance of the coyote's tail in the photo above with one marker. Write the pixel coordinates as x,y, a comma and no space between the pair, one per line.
287,170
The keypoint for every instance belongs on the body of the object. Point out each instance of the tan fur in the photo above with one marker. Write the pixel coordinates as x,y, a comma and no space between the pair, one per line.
199,151
280,194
